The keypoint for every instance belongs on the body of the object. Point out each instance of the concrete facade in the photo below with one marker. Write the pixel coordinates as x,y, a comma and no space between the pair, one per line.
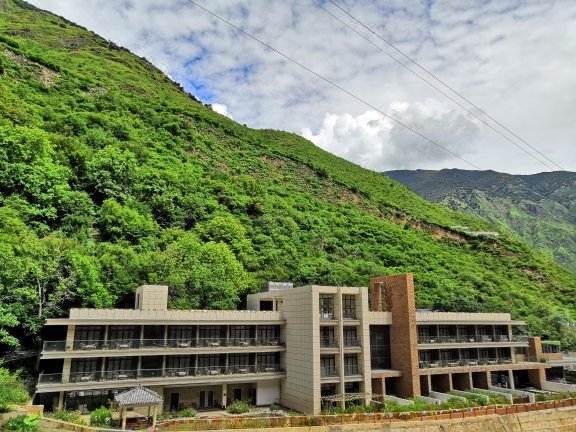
297,346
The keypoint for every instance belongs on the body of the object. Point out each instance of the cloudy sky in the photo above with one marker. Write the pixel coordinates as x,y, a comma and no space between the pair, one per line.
513,59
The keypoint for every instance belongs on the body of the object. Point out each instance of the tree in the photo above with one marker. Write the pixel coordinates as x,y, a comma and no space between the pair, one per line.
202,275
12,390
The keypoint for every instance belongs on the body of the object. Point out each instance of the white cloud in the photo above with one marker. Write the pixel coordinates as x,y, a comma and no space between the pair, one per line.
377,142
512,58
221,109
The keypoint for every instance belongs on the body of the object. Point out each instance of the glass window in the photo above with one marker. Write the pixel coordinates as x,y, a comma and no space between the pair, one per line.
327,339
327,366
180,362
211,332
349,306
88,335
351,364
268,360
350,337
240,332
326,306
380,347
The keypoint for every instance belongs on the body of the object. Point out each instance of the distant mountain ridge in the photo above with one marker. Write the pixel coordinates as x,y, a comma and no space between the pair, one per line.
539,208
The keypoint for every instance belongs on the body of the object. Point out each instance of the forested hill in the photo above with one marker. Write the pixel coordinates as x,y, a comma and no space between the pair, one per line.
539,208
111,176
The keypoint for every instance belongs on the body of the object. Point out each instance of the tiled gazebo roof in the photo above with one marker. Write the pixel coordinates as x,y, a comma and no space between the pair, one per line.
138,396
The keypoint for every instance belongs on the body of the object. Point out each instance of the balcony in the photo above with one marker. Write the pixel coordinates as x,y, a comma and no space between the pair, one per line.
138,344
328,371
351,343
351,370
328,343
472,362
168,373
471,339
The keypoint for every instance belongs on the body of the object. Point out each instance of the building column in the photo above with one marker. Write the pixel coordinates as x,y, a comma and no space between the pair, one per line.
60,401
399,299
511,379
66,370
224,395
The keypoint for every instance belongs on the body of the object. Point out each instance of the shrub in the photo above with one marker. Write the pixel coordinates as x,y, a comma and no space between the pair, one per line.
100,417
23,423
238,407
69,416
187,412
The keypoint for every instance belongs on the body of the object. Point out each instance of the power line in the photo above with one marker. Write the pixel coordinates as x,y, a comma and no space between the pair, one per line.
332,83
444,84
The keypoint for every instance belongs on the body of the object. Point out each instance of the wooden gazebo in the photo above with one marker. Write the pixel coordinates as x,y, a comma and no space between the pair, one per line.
138,397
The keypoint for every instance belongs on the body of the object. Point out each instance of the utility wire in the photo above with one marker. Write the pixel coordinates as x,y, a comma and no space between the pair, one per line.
445,85
332,83
432,85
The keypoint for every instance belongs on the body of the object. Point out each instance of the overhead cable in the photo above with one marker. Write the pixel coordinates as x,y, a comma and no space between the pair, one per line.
411,60
332,83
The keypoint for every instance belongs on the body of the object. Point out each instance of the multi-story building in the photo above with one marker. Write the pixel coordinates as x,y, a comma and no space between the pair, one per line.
293,346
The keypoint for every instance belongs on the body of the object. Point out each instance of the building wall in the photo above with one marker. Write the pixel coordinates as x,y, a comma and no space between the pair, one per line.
301,390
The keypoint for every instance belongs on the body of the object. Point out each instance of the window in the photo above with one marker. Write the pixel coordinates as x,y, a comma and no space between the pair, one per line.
268,360
351,364
348,306
328,366
179,362
240,332
239,360
182,333
327,339
88,335
123,334
211,332
380,347
85,366
350,337
210,361
122,367
326,306
268,334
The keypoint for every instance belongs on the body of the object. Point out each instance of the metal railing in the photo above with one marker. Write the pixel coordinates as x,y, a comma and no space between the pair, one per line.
328,371
351,370
351,342
473,362
115,375
128,344
471,339
328,343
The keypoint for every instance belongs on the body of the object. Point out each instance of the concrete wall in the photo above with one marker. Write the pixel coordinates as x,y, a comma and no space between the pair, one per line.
267,392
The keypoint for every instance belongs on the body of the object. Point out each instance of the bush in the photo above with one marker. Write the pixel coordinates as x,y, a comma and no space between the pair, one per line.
100,417
69,416
187,412
238,407
12,390
23,423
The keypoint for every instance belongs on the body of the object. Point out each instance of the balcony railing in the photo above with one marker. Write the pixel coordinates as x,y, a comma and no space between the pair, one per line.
328,343
351,342
328,371
86,377
128,344
470,339
472,362
351,370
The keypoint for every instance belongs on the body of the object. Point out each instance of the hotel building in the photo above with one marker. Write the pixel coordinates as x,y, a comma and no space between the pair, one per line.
294,346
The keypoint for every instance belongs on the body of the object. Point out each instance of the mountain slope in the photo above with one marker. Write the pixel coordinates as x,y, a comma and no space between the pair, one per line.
539,208
112,176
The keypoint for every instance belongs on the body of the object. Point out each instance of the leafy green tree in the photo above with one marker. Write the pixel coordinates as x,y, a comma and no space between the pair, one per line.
12,390
203,275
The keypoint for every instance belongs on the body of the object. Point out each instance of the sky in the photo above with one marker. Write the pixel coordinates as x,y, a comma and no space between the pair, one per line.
350,86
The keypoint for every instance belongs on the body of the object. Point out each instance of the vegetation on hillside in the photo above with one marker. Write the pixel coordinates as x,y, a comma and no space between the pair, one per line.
540,208
112,176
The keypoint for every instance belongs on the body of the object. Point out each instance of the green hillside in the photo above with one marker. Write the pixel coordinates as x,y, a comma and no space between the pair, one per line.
112,176
540,208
